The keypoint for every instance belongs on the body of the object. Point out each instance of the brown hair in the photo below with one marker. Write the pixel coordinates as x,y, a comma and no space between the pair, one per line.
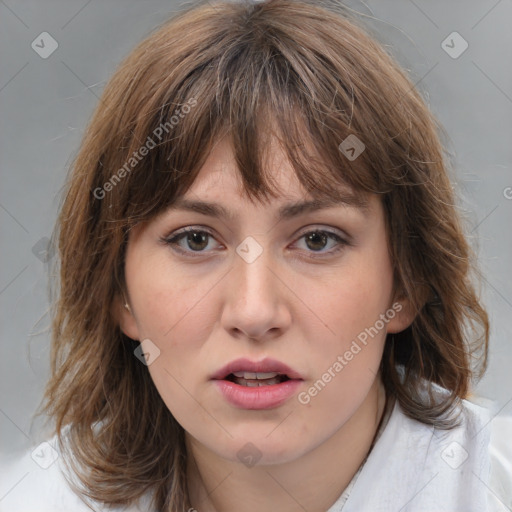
224,68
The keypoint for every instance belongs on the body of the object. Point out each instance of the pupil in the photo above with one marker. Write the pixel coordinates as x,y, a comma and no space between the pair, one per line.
314,237
197,237
312,240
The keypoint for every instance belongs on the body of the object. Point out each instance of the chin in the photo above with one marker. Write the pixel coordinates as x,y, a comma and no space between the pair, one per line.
253,450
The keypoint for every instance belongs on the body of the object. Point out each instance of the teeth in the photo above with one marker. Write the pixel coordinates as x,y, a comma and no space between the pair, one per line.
253,376
253,383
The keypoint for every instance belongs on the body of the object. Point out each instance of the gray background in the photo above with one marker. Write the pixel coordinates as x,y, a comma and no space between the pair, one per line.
46,103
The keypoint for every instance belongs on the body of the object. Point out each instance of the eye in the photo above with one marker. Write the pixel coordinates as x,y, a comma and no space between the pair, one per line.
194,240
318,239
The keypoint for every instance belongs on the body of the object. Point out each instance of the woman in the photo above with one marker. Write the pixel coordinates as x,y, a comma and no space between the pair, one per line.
265,299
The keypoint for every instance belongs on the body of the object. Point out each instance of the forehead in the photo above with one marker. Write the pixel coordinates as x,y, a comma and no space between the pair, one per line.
217,191
219,178
220,171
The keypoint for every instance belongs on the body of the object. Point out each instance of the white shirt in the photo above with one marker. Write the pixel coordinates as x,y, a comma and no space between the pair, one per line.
411,468
414,467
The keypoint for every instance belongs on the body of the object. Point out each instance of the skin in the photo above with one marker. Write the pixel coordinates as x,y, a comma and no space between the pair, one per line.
205,311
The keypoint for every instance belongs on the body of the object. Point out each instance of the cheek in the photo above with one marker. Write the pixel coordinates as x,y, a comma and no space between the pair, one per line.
346,365
358,294
351,307
177,316
164,300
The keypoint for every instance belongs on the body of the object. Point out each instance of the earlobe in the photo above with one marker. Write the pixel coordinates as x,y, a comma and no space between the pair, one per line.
402,318
122,312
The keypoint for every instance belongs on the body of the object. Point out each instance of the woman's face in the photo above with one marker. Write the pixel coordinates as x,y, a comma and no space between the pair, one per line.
297,306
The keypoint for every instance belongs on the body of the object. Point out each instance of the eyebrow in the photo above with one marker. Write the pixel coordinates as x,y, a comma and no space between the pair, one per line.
285,212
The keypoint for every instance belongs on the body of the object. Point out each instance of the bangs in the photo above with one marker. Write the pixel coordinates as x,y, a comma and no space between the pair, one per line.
257,90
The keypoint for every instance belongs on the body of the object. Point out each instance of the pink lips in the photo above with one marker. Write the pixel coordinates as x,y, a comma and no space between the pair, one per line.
265,366
262,397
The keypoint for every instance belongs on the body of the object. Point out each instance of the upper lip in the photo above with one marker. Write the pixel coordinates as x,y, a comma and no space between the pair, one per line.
266,365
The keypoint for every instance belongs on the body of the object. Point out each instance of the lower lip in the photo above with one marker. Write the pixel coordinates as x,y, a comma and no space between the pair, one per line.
261,397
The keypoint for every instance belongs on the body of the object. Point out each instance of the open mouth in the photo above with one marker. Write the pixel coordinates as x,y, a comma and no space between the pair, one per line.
257,385
256,379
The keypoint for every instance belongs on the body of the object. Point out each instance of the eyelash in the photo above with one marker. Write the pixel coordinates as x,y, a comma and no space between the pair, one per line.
173,239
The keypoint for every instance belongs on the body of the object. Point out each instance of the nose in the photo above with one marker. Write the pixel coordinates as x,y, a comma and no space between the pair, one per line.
256,305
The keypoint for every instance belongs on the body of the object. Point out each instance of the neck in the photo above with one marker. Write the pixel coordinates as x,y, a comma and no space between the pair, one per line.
312,482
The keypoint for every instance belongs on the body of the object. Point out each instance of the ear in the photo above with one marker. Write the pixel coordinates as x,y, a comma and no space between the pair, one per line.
124,317
403,317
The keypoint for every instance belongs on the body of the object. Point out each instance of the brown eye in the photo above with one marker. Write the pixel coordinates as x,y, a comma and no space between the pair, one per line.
316,240
195,240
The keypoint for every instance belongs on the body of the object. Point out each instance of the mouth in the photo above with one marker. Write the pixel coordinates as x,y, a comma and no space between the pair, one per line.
256,373
256,379
265,384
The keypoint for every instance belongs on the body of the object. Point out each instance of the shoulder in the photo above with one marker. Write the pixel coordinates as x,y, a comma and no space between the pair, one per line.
481,446
478,451
427,468
500,451
483,417
36,481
